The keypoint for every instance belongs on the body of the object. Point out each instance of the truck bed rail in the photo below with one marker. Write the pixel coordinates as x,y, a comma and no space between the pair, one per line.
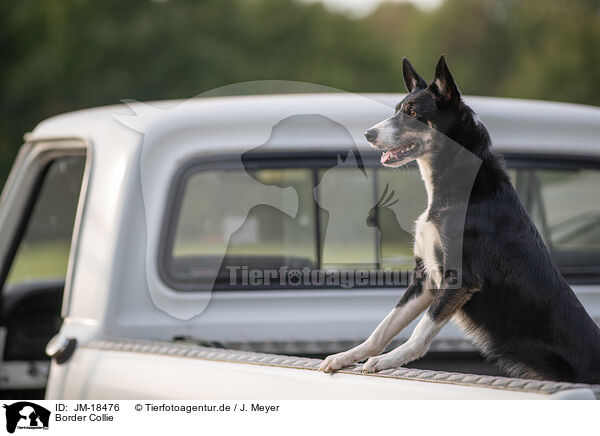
193,351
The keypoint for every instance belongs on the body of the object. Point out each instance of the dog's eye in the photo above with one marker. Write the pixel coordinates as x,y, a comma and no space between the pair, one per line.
412,113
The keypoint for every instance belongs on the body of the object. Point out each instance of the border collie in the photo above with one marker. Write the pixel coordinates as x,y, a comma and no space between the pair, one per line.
511,298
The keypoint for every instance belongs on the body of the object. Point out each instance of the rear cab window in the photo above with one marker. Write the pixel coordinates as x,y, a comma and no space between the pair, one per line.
352,218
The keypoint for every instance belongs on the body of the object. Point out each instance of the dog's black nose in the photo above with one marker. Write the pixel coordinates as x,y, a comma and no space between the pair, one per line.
371,135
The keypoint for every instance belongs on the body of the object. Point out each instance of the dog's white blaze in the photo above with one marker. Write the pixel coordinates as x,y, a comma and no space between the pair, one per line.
426,171
427,237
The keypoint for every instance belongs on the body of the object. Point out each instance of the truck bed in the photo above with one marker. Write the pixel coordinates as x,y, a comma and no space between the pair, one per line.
127,368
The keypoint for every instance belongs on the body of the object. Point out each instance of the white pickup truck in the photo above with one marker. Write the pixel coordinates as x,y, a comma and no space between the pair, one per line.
129,235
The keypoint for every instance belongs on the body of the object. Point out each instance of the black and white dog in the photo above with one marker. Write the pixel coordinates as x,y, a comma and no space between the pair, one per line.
512,299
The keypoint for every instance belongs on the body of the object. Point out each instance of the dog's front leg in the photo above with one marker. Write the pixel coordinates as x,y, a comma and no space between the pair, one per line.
414,300
445,303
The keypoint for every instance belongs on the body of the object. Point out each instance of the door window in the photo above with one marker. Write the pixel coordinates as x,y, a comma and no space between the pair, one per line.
43,252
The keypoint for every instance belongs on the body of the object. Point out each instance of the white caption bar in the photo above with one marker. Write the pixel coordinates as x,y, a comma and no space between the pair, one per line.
263,417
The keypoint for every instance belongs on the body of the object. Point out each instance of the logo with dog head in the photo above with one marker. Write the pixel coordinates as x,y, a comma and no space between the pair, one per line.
26,415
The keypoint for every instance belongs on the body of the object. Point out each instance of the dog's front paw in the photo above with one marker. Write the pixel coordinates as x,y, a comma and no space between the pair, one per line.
335,362
405,353
373,364
379,363
338,361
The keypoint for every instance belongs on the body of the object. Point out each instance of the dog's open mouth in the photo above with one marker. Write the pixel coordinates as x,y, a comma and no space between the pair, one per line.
396,154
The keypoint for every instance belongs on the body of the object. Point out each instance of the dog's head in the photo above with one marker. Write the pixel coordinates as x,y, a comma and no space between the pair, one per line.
428,108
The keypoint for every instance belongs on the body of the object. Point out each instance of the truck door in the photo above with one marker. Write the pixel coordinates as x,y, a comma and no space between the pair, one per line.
38,211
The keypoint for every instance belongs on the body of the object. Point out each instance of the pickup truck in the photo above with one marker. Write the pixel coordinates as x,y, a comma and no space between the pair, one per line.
135,239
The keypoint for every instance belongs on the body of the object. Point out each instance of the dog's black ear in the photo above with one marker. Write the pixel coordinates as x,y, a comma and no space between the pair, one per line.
412,79
444,86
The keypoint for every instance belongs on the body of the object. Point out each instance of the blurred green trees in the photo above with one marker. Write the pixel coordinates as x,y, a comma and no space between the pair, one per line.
544,49
61,56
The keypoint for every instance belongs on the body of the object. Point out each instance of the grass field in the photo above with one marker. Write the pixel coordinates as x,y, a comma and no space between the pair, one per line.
48,260
335,255
42,260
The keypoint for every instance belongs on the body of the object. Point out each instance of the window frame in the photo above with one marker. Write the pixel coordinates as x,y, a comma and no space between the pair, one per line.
556,161
21,192
314,161
31,201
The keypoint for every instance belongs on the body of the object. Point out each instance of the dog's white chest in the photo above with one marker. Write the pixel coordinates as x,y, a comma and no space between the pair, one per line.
427,245
427,238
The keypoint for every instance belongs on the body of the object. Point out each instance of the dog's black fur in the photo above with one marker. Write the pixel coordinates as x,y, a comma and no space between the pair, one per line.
524,314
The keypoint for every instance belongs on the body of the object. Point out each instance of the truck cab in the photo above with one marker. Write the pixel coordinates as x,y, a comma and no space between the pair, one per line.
136,242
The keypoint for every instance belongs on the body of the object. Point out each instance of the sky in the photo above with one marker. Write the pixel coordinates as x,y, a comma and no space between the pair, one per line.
364,7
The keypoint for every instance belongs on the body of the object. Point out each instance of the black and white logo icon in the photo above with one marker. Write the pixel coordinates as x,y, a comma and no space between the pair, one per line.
26,415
